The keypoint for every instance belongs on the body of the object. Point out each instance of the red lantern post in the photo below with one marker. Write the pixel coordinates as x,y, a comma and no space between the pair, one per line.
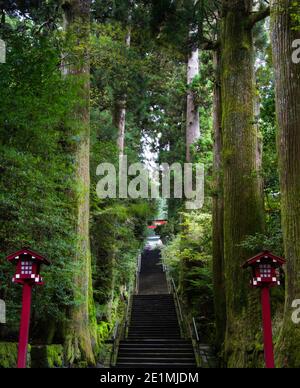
267,327
28,264
266,275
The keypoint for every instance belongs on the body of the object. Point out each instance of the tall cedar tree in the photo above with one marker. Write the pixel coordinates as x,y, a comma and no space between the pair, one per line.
287,78
119,114
79,336
192,114
218,207
243,203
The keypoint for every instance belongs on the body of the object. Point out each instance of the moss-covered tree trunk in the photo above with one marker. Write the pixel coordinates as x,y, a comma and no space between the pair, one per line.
79,334
119,113
218,208
243,205
287,76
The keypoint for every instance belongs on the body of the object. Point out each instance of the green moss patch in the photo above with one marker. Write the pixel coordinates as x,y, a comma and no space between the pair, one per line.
8,355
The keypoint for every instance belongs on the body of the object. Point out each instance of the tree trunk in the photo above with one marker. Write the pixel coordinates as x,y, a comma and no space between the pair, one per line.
192,112
192,119
287,77
243,215
259,137
218,208
119,115
79,333
120,122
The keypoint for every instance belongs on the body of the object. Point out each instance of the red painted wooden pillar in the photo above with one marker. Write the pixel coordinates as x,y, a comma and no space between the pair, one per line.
24,327
267,327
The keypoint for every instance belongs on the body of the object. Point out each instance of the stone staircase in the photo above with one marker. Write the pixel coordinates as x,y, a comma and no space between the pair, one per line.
154,338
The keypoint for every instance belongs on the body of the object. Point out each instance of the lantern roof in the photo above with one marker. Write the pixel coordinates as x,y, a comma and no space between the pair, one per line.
14,257
265,255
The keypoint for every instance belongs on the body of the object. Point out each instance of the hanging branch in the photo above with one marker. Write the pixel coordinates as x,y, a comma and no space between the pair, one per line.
258,16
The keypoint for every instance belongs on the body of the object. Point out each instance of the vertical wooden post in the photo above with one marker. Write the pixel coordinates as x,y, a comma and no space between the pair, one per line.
267,327
24,326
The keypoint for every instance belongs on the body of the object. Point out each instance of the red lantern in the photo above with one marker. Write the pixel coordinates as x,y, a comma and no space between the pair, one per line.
266,274
265,269
28,265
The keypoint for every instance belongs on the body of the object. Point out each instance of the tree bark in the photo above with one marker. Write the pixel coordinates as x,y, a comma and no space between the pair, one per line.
243,214
259,145
119,115
120,122
218,208
81,331
287,78
192,119
192,112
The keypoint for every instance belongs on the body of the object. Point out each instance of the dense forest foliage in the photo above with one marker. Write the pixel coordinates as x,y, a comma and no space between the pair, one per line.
199,81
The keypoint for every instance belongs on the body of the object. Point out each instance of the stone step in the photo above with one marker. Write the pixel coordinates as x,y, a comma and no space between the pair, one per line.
152,365
154,338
